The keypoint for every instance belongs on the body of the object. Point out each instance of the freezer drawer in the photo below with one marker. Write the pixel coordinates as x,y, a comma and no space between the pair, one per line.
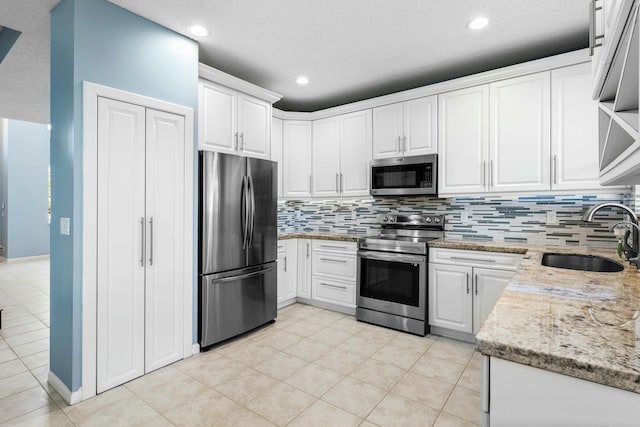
237,301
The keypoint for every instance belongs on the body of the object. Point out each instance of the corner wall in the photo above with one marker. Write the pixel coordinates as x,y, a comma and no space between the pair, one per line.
97,41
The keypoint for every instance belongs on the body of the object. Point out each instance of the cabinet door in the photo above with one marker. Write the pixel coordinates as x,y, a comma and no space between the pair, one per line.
421,126
326,157
355,153
450,299
297,158
276,149
292,268
254,126
120,253
217,118
165,200
574,125
282,276
488,286
387,131
520,134
304,268
463,140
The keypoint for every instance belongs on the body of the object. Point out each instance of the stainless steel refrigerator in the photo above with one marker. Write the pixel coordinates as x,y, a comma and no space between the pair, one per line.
237,245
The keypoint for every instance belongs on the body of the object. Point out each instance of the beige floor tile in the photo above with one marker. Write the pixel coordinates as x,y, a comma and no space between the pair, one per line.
472,377
281,404
205,409
27,337
331,336
377,332
378,374
446,420
284,322
362,345
6,355
169,395
348,324
158,421
48,416
413,342
322,414
22,403
41,373
355,396
281,366
314,379
130,411
252,354
155,379
304,329
424,390
11,331
465,404
36,360
87,407
17,383
279,339
246,386
324,318
11,368
441,369
197,362
308,349
451,350
398,411
217,371
366,423
340,360
32,347
401,357
17,321
244,418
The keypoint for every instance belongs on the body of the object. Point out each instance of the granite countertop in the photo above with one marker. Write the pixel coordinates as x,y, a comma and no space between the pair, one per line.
322,236
582,324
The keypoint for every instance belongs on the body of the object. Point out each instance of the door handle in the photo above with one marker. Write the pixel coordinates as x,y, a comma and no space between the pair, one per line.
285,264
341,261
308,247
399,139
341,183
491,172
242,141
151,241
344,288
404,143
235,138
243,276
252,216
475,282
310,184
484,173
555,169
142,243
337,183
467,283
245,212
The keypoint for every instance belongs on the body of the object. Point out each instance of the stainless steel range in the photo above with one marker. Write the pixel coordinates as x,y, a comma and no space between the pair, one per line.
392,272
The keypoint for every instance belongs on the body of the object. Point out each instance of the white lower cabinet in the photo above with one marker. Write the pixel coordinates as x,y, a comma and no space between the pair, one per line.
304,268
334,291
333,271
462,292
287,271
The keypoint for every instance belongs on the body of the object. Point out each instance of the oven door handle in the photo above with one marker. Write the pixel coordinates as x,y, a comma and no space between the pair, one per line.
388,256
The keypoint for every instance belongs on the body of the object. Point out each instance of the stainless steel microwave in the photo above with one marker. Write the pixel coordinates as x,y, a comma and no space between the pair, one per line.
405,176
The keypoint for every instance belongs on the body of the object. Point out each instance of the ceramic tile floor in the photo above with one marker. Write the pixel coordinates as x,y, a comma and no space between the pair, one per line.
311,367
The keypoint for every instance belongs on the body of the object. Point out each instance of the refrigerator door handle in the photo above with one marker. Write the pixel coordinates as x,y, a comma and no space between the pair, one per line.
245,212
243,276
252,215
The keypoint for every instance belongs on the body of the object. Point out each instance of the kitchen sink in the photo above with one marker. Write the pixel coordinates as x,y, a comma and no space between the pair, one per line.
581,262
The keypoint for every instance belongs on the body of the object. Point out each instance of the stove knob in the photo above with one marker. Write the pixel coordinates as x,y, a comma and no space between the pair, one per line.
428,219
385,219
437,220
392,219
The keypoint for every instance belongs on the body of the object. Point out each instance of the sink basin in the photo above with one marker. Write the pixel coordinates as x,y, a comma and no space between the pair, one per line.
581,262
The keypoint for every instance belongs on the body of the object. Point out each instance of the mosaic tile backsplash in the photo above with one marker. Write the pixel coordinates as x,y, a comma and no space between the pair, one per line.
498,218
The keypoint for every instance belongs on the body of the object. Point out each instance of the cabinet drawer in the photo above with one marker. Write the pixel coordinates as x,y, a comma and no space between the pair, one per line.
475,258
334,291
337,266
334,246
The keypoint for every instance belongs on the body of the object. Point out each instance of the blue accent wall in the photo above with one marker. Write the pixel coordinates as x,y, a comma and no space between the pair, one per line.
97,41
27,189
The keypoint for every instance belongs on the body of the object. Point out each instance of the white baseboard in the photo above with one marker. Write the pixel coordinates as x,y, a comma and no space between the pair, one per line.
28,258
70,397
195,349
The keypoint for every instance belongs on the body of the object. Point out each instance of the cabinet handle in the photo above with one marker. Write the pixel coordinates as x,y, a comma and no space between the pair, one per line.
341,261
242,141
333,247
404,143
308,247
399,139
344,288
555,169
473,259
341,183
310,184
142,241
151,241
467,283
337,182
235,138
475,282
484,173
491,171
285,264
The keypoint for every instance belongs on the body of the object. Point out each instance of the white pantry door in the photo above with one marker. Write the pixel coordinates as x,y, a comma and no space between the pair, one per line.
164,261
120,257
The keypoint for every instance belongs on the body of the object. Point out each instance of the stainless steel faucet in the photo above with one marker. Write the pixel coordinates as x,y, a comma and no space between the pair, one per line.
636,259
588,217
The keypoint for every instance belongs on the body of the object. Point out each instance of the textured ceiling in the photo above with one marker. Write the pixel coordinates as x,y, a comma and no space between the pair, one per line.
350,50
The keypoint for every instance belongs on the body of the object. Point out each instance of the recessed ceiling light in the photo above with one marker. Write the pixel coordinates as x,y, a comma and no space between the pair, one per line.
477,23
198,30
302,80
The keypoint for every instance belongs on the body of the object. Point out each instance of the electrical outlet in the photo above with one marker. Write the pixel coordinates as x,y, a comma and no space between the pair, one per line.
65,226
552,219
464,217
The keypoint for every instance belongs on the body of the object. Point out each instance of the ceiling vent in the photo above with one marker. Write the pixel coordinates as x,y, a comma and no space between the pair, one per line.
7,39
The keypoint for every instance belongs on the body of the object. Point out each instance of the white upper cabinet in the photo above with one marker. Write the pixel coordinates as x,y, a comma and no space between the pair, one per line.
341,155
405,129
233,122
520,134
296,146
276,150
574,130
463,123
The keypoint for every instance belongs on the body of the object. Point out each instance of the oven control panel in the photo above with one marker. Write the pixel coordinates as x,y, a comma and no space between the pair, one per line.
412,220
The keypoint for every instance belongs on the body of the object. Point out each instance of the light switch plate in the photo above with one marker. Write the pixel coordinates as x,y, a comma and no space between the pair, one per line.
552,219
65,226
